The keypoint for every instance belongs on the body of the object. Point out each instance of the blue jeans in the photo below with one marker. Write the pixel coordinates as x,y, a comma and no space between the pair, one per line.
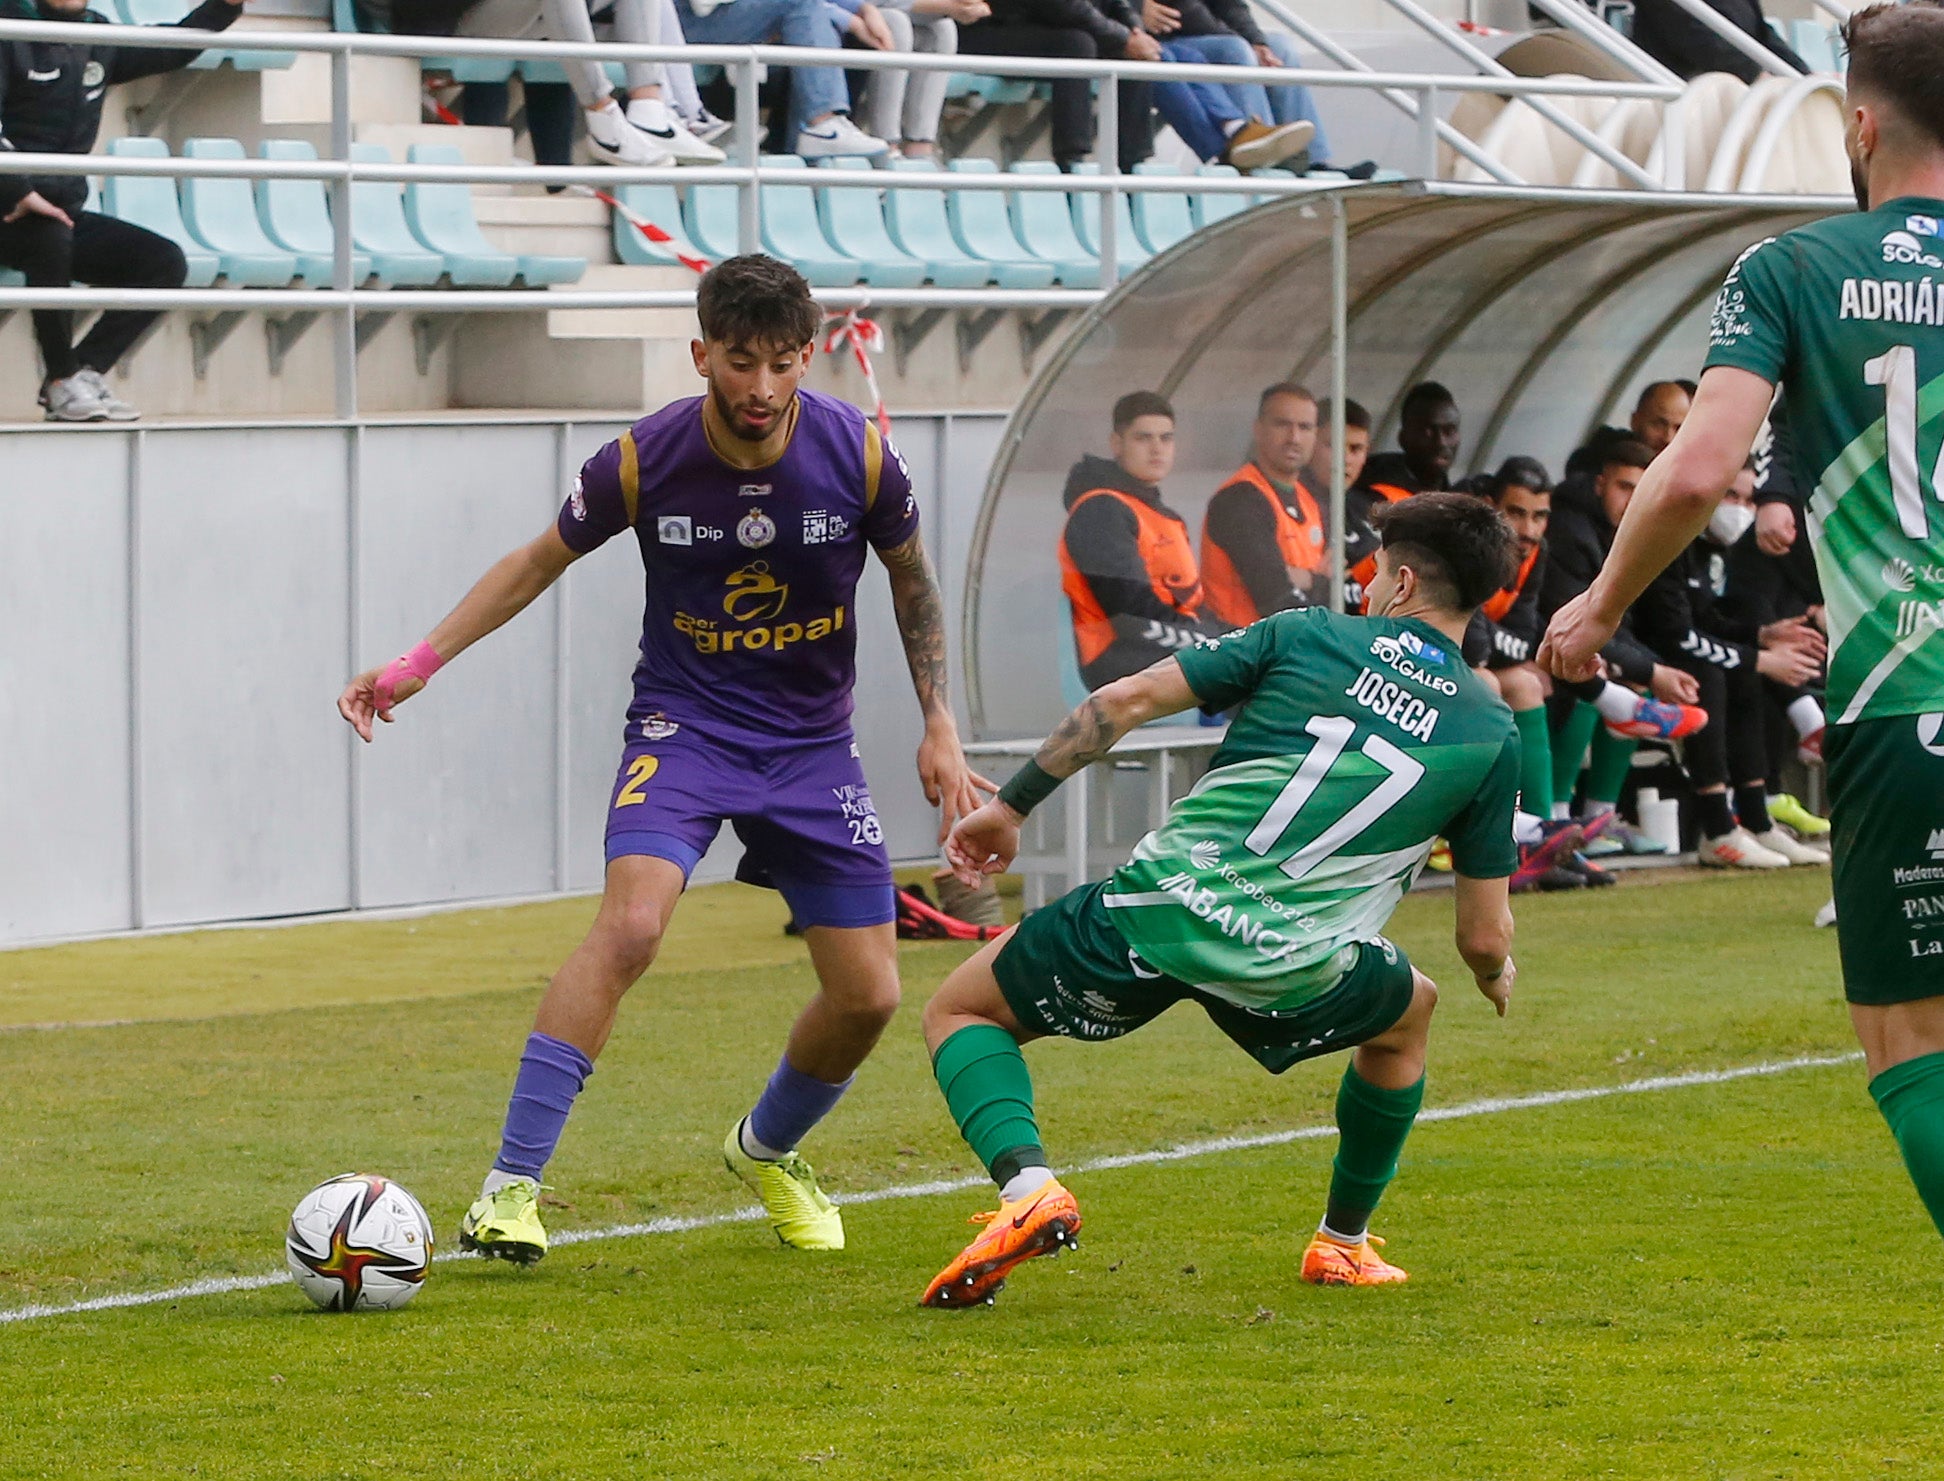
814,91
1198,110
1288,103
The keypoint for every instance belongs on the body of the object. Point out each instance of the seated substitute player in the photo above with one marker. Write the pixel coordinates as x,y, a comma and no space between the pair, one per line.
1842,315
753,506
1263,548
1356,742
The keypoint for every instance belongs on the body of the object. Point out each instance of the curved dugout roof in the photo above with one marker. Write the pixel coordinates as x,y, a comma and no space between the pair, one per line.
1543,311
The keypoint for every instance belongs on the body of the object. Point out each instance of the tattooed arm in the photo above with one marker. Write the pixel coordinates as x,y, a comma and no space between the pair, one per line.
986,841
950,785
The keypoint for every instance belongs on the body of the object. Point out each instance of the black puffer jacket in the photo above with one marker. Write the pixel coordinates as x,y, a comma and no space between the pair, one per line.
51,92
1577,542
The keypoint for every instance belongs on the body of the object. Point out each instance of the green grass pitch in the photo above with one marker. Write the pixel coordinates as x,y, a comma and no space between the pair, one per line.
1710,1280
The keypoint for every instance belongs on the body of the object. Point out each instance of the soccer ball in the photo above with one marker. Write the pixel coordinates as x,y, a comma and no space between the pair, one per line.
359,1243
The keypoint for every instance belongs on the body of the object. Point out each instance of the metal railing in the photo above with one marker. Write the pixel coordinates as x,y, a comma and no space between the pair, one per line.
346,299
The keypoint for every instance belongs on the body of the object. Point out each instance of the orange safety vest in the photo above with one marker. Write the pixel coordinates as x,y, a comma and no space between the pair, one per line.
1502,602
1298,541
1162,540
1365,571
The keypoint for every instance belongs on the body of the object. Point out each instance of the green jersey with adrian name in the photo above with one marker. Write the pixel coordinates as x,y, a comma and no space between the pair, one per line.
1359,740
1847,316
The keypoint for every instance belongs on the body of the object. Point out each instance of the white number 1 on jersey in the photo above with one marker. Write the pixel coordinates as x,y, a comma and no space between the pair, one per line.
1332,734
1896,371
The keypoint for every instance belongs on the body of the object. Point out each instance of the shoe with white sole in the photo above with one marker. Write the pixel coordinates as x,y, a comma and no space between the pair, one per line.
1826,916
1258,146
653,118
612,140
1737,849
1785,843
838,135
118,409
73,399
708,128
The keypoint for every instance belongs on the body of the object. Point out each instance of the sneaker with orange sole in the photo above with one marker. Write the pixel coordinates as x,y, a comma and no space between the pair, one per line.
1331,1262
1044,1222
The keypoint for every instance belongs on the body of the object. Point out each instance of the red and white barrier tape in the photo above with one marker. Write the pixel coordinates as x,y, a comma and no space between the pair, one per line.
647,228
863,336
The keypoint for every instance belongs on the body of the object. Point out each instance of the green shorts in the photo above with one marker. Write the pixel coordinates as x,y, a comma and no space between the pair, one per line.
1886,795
1069,971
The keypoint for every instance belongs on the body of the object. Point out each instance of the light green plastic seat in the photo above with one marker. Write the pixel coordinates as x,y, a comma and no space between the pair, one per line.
221,214
1160,219
983,229
441,216
296,218
378,228
658,204
792,232
1128,251
1043,222
168,12
914,218
1209,207
852,218
150,201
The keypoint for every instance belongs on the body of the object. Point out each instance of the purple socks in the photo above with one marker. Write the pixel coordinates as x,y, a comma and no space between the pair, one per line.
552,1072
791,1104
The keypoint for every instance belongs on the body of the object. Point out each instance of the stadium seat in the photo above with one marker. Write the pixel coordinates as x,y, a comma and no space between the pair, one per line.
992,91
11,279
1128,251
441,216
1811,40
1043,222
981,228
296,218
344,17
660,205
790,229
915,220
1208,207
1160,220
853,219
150,201
221,214
555,72
378,228
168,12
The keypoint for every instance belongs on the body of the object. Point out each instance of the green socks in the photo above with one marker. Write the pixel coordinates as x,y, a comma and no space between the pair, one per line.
1575,735
990,1094
1606,772
1371,1127
1536,761
1911,1097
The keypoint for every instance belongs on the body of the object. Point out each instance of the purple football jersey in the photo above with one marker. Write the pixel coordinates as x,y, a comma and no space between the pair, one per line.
751,615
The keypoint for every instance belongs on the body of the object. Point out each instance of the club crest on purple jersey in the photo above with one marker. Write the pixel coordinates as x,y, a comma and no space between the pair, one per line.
756,530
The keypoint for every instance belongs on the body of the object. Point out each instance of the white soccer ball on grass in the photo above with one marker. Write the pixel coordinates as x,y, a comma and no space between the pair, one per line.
359,1243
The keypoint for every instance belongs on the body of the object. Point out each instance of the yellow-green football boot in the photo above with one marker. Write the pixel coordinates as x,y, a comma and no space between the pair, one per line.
798,1211
1792,814
505,1224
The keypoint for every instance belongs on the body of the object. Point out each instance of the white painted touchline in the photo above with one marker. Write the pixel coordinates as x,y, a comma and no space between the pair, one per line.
225,1285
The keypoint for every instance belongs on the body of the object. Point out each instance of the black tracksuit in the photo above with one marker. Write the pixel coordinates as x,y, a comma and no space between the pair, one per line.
1081,30
50,103
1577,541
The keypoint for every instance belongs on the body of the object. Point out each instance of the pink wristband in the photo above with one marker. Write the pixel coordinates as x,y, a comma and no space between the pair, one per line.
421,664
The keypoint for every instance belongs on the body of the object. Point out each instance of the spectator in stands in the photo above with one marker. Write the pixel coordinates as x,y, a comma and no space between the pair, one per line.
646,133
1680,618
1126,564
1263,546
50,103
819,121
1586,511
1360,538
1686,47
1210,118
1657,416
1079,30
903,108
1428,438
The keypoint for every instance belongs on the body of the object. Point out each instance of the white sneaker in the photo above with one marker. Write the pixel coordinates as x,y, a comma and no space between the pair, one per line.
1737,849
838,135
1780,840
612,140
1826,916
708,128
73,399
652,117
118,409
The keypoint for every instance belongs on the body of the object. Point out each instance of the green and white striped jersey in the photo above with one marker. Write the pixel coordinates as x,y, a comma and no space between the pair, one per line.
1359,741
1847,316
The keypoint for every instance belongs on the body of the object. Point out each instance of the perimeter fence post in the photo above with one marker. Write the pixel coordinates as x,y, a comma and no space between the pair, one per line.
749,226
1109,148
344,325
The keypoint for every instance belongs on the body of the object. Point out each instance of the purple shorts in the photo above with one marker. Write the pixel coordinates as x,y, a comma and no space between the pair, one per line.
800,807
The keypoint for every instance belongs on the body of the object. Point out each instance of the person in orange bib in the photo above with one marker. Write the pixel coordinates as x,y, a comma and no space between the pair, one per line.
1263,545
1126,564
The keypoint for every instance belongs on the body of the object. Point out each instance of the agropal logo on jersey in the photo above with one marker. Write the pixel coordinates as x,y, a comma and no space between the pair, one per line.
752,603
1402,656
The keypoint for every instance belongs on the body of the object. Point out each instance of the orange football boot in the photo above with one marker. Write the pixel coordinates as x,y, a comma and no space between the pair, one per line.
1330,1262
1044,1222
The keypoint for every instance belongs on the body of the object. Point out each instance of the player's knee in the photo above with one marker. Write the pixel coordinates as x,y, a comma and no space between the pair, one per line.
869,1003
632,933
1424,996
1522,687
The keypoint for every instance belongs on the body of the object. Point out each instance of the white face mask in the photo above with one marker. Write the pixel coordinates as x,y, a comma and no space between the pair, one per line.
1730,522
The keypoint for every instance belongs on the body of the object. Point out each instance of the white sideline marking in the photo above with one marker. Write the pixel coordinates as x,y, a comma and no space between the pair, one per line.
683,1224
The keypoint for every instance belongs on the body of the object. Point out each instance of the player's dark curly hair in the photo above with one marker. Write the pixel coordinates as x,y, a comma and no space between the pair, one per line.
1527,473
758,303
1460,548
1896,52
